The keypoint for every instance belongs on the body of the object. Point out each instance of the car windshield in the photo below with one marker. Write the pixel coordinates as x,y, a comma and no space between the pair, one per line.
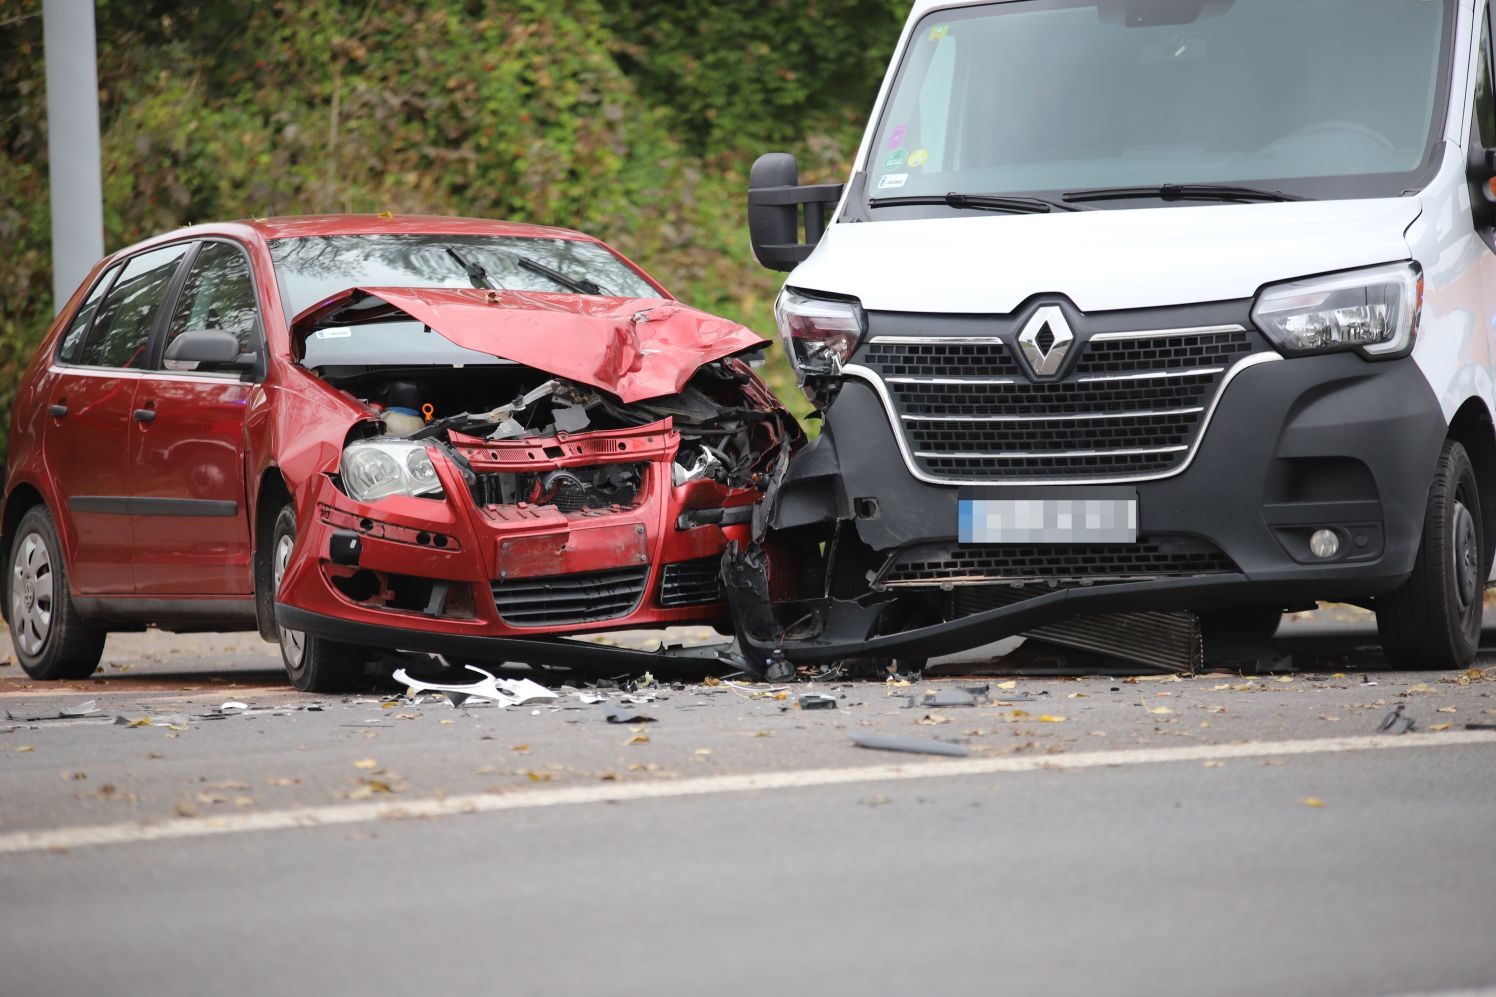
1313,98
310,269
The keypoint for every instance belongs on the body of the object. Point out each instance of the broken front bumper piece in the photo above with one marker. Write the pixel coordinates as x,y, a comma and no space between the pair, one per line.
481,573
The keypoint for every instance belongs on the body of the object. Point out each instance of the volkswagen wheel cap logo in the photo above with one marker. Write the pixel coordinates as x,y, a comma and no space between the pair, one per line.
1045,341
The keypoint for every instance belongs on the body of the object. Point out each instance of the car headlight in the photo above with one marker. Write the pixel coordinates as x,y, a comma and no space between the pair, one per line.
1375,311
819,334
374,469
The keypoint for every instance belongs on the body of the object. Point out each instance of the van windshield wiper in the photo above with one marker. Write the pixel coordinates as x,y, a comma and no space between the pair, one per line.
1183,192
979,202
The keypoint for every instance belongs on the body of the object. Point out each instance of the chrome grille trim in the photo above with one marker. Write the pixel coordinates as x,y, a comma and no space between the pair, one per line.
1073,417
872,379
1026,455
1199,330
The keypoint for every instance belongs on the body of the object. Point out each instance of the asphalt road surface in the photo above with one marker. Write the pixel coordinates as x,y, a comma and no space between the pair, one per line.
1217,834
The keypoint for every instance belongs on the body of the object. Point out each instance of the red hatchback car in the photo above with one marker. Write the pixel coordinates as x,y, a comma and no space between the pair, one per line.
436,435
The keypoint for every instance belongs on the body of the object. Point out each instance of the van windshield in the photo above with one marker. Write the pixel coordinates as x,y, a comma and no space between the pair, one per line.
1310,98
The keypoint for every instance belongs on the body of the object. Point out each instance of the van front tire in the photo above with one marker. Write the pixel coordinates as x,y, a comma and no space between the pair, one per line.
312,663
1434,620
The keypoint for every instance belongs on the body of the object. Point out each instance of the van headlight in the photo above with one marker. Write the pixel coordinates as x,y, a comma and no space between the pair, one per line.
375,469
819,334
1375,311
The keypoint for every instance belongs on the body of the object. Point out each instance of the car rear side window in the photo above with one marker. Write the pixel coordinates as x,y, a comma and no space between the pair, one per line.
218,294
72,340
123,327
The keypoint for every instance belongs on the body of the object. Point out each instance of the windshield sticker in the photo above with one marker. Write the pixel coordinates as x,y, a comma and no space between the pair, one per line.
896,137
334,333
892,180
939,31
896,159
917,158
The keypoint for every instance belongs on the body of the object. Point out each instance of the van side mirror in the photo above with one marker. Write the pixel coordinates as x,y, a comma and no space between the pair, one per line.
774,200
208,349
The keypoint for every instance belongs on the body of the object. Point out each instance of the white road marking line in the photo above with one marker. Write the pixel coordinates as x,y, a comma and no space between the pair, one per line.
525,798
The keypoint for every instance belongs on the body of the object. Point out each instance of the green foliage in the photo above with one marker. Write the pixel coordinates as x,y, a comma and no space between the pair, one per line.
633,122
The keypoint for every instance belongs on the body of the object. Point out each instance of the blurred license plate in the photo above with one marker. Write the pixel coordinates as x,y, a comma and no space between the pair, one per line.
1091,516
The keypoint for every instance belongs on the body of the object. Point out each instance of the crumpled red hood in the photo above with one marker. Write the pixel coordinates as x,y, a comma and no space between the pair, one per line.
635,348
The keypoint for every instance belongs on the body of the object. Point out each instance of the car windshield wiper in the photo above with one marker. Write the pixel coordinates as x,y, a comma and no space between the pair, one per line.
1183,192
979,202
474,271
579,284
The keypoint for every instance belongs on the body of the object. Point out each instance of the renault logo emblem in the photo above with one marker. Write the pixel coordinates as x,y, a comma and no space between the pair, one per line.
1045,341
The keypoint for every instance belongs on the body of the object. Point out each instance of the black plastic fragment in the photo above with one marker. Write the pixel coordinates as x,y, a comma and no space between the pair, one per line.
912,745
1395,722
817,701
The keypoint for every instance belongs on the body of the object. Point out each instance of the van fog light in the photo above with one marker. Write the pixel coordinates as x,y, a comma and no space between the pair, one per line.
1324,544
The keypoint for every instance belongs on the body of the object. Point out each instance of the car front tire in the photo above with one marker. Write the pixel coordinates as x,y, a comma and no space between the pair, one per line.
312,663
51,641
1434,620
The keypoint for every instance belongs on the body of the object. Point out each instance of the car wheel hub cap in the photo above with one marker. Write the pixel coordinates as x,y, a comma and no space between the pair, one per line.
31,595
293,642
1466,555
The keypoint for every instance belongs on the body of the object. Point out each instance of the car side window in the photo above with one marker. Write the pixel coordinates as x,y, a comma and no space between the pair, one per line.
123,327
72,340
218,294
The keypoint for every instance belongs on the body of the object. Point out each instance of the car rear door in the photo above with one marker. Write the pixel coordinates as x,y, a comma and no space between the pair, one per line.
92,408
190,525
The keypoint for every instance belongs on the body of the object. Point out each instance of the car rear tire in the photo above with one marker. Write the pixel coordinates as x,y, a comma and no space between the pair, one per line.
312,663
51,641
1433,621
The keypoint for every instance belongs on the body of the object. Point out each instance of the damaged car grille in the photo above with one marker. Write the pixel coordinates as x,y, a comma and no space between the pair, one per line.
691,583
561,600
942,565
572,489
1129,405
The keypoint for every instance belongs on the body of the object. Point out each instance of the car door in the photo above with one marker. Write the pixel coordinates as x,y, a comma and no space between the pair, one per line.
92,408
189,522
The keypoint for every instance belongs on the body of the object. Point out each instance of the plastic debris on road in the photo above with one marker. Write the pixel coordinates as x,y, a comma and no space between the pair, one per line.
504,692
913,745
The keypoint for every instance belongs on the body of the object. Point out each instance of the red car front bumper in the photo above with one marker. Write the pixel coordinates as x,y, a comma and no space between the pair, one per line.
454,575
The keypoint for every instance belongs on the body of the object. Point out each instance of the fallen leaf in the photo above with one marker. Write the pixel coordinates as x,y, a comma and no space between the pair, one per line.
1447,709
637,739
1440,726
1075,695
368,788
281,780
72,776
1246,687
1020,714
779,695
1047,719
1313,801
366,763
1096,733
763,733
1161,710
184,810
1212,763
703,751
711,681
1329,719
24,747
142,722
1284,678
1010,684
407,716
211,798
1219,688
447,723
389,706
1420,687
539,776
244,801
520,748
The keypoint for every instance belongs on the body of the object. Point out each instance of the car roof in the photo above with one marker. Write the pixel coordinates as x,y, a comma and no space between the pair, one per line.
384,223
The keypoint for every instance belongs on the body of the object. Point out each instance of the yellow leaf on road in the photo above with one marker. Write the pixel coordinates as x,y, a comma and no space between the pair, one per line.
1047,719
1010,684
1313,801
637,739
1441,726
1161,710
1447,709
366,763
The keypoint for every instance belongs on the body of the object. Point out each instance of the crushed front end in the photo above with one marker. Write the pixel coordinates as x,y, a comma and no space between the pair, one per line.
1220,457
484,510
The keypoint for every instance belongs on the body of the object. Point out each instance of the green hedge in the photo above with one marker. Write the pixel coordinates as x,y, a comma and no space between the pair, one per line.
634,122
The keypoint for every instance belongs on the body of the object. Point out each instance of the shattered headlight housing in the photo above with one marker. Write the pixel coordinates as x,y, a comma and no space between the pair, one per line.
819,334
375,469
1375,311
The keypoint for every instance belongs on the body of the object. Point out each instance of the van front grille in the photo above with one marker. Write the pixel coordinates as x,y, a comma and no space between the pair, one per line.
947,565
1128,405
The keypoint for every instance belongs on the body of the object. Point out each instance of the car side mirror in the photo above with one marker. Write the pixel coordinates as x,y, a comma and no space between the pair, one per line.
774,199
208,349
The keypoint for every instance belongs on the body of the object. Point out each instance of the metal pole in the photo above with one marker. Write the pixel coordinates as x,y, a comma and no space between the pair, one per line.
72,144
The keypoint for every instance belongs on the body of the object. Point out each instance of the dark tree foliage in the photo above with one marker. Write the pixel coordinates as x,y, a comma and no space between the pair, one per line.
636,122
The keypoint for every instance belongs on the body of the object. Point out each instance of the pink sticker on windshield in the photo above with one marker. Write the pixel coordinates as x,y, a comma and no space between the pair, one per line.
896,137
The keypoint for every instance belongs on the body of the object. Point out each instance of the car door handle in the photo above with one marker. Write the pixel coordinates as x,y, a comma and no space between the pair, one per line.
58,410
145,415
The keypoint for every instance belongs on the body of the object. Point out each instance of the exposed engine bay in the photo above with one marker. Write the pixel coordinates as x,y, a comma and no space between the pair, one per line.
726,432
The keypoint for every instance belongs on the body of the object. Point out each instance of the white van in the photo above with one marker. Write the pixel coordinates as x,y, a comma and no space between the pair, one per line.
1142,307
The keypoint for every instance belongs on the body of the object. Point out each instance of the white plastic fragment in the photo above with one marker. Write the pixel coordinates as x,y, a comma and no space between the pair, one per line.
233,704
505,692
